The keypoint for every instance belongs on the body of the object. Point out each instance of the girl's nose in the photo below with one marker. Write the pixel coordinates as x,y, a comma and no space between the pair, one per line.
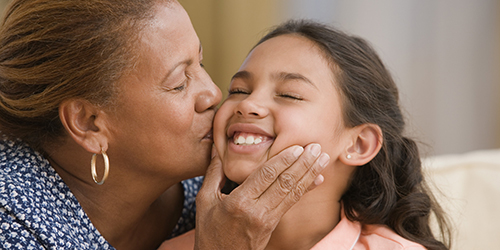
251,108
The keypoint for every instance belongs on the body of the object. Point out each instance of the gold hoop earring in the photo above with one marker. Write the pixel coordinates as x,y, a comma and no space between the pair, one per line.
106,168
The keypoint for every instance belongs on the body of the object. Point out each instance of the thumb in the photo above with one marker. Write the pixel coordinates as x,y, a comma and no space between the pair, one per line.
214,177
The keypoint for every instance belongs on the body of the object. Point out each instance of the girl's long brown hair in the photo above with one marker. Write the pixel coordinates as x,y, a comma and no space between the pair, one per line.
390,189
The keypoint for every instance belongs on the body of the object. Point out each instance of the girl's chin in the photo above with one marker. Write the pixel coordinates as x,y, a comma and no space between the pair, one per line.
238,169
238,179
236,175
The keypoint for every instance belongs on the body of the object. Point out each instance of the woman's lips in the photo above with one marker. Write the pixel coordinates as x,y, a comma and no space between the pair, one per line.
209,135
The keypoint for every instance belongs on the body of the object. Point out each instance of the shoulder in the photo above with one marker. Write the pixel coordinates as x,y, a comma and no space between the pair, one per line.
353,235
35,203
27,178
184,241
384,238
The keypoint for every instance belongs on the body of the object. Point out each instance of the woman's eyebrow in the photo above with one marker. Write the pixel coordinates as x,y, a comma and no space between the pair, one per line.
185,62
172,69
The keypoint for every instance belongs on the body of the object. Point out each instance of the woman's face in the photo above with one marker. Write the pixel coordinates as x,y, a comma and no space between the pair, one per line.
284,94
163,119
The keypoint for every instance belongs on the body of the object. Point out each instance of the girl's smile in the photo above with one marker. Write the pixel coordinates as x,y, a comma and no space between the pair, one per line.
244,138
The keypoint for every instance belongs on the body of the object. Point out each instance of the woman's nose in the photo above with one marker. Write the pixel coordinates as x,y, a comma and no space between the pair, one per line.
209,97
251,107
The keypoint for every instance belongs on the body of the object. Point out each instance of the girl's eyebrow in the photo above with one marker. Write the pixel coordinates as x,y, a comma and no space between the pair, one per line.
287,76
242,75
279,77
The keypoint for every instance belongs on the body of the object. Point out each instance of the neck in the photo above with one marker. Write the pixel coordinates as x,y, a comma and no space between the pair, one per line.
130,212
307,222
316,214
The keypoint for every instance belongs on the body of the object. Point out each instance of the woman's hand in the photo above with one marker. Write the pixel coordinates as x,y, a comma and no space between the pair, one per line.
246,217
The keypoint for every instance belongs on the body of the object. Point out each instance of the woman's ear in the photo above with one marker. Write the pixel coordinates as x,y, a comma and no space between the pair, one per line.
366,143
82,121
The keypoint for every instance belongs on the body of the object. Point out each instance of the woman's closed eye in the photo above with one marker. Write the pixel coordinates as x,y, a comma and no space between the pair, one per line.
180,87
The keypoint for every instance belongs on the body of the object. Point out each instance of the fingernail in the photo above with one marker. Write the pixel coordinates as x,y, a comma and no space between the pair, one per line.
298,151
315,149
319,180
323,159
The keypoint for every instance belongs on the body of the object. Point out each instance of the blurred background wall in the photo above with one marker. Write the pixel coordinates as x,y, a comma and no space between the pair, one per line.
3,3
444,55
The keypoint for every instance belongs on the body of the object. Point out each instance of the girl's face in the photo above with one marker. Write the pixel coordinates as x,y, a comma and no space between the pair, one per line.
284,94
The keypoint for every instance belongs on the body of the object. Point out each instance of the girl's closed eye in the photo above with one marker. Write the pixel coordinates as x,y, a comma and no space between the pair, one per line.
238,91
292,96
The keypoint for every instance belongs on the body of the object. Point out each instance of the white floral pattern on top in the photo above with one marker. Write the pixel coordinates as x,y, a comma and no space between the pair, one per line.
38,210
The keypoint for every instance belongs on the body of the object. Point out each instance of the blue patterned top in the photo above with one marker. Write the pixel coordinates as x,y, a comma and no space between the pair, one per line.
38,210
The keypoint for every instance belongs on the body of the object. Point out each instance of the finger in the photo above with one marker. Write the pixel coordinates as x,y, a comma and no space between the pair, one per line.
319,179
261,179
214,177
303,184
289,179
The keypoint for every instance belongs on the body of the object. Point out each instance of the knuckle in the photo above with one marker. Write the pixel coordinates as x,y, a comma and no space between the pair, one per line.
268,173
315,170
309,161
297,193
235,208
258,221
305,161
286,181
263,221
288,160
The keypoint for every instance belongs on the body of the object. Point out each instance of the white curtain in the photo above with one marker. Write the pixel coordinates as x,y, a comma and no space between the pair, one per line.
444,55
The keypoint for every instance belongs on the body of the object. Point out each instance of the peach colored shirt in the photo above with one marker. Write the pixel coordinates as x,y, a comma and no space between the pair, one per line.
347,235
351,235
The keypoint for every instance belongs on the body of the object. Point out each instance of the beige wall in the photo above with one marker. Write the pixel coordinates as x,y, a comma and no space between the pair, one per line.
3,4
228,29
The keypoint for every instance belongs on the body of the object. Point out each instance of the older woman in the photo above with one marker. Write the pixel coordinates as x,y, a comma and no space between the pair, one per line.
104,109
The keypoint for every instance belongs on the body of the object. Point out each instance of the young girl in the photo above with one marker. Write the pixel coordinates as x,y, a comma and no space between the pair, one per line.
303,83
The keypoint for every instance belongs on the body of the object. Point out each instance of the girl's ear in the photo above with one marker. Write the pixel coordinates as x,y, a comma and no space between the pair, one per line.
84,122
366,143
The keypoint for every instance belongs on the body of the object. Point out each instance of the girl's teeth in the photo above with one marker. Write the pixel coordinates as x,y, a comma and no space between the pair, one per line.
250,140
240,140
